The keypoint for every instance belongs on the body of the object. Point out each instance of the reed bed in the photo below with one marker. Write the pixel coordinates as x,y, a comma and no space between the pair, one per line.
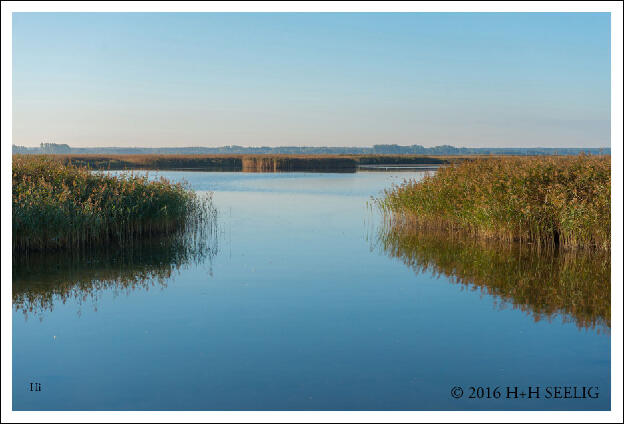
285,163
240,162
60,206
552,201
149,161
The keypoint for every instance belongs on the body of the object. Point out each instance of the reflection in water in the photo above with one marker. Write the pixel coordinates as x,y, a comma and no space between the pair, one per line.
575,285
40,280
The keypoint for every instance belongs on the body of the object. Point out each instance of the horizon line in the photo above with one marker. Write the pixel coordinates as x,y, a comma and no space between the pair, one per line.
305,146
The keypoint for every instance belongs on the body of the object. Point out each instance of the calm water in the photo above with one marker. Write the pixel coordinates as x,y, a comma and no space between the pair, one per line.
302,300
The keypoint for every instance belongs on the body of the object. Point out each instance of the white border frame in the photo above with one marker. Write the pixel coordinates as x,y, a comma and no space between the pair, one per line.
615,8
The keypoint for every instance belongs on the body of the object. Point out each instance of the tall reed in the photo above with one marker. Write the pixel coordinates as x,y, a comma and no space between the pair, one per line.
62,206
553,200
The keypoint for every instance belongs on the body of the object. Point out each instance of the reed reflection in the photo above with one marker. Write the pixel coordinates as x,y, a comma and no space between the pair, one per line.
544,283
41,280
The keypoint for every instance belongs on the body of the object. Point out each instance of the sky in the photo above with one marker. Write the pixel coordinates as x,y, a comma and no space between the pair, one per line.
312,79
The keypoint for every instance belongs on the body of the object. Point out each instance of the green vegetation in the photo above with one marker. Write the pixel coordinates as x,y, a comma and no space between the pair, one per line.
405,159
552,201
574,284
246,163
123,162
62,206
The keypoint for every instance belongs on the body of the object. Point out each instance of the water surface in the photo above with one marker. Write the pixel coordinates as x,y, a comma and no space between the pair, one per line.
300,302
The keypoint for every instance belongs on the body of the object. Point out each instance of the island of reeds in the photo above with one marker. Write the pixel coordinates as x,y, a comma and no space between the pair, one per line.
243,163
60,206
557,201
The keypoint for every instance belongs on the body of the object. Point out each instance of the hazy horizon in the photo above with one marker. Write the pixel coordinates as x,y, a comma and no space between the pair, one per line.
129,146
505,80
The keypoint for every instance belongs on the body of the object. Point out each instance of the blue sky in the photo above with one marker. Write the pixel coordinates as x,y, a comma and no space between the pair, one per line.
355,79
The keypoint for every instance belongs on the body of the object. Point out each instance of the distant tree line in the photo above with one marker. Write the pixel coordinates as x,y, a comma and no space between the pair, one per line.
47,148
415,149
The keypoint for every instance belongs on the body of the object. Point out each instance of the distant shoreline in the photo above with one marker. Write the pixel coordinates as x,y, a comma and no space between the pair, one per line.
380,149
248,163
263,163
